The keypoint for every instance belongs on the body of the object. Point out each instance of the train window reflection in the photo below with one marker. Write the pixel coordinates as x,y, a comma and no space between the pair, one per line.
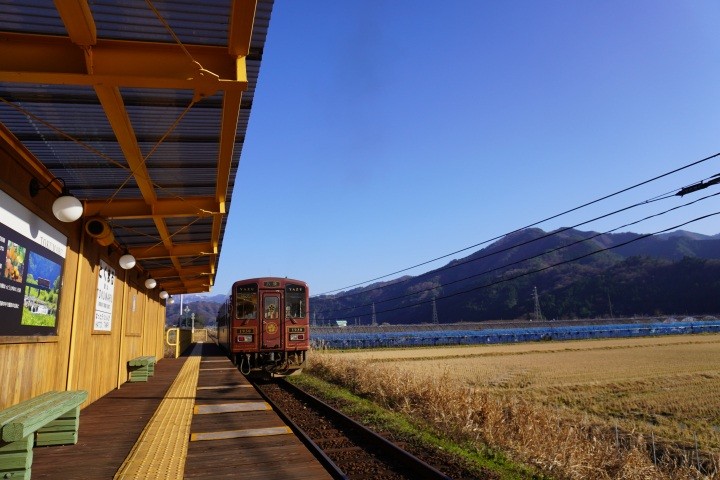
295,301
271,307
246,305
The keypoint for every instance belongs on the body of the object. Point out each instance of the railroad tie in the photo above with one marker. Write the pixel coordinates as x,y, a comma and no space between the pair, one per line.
223,387
250,432
231,407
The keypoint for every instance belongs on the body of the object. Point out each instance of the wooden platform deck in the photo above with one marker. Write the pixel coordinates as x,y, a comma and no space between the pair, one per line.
231,432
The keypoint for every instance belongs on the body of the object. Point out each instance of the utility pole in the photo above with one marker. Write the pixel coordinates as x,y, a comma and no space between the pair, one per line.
538,313
435,315
374,317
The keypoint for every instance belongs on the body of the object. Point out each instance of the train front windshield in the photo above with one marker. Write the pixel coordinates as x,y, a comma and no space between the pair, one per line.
295,301
246,299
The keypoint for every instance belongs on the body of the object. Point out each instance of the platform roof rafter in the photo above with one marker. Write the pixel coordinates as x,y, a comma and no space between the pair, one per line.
136,105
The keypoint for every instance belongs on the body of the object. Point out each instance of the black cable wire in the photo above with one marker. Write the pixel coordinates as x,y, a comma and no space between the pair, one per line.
532,272
510,247
663,196
354,307
528,226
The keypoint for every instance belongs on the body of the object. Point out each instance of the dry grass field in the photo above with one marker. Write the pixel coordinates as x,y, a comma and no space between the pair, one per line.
662,391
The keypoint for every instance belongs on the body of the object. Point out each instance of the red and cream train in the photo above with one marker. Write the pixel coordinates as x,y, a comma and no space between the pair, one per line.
264,325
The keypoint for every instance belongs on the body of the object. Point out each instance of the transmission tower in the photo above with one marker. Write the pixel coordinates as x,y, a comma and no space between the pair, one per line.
538,313
435,315
374,317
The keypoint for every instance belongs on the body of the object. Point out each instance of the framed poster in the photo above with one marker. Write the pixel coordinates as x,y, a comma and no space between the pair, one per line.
33,256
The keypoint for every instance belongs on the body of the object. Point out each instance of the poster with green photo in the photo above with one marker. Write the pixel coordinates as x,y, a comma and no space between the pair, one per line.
33,255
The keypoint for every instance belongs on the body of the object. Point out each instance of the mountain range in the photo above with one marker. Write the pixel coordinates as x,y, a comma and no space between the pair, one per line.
576,274
205,308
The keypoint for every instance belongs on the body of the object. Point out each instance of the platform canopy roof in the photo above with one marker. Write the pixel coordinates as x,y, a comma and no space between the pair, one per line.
141,108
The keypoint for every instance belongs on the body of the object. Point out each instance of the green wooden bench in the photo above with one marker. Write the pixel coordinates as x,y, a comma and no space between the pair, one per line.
141,368
52,418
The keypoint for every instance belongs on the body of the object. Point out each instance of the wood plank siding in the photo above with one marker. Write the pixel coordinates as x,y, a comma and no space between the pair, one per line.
77,358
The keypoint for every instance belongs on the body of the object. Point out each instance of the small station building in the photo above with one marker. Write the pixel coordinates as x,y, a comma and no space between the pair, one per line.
121,129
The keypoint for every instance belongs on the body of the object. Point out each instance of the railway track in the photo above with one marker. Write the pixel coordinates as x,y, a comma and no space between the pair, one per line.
346,448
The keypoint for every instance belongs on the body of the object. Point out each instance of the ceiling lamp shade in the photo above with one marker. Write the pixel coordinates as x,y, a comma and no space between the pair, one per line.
164,295
66,207
150,283
127,261
171,300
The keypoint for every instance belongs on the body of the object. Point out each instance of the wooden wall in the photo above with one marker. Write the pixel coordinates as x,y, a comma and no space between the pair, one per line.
77,357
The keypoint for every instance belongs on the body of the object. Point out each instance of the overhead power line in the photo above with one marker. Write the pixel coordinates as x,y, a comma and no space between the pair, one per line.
699,186
517,262
663,196
684,167
532,272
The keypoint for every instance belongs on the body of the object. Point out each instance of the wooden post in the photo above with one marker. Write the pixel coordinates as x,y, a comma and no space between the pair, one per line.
75,312
122,376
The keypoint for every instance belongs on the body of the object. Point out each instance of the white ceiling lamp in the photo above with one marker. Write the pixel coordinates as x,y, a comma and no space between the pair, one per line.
164,295
150,283
127,261
171,300
66,207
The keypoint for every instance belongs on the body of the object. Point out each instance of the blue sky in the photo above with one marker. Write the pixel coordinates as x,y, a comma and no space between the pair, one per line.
387,133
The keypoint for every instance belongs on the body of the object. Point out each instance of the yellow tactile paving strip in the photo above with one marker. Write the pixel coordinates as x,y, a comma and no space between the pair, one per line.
161,450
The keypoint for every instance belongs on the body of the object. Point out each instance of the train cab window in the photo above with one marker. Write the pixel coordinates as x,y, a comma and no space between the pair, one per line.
271,306
295,305
246,302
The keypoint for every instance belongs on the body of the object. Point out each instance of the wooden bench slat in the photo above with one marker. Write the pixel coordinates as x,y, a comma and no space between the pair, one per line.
11,413
16,456
40,414
140,368
141,361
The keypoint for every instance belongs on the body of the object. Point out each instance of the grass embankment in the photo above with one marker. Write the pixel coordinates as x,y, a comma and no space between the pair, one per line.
561,427
477,459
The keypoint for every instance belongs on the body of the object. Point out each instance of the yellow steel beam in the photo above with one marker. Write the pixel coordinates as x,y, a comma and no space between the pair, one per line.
57,60
242,16
228,129
78,20
112,102
165,208
184,272
183,250
175,287
34,166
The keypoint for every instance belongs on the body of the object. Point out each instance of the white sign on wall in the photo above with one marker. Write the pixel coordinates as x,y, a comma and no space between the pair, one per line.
104,301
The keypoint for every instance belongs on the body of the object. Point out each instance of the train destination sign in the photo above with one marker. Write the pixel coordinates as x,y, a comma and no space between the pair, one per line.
33,255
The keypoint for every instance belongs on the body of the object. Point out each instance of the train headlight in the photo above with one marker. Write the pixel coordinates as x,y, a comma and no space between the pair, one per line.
244,339
296,337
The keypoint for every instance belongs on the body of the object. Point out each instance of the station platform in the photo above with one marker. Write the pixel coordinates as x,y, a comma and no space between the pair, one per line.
197,417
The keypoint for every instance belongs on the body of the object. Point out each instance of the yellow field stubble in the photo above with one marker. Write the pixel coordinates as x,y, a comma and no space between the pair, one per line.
578,399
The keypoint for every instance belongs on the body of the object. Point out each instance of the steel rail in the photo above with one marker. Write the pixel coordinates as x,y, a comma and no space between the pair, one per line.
317,452
414,465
